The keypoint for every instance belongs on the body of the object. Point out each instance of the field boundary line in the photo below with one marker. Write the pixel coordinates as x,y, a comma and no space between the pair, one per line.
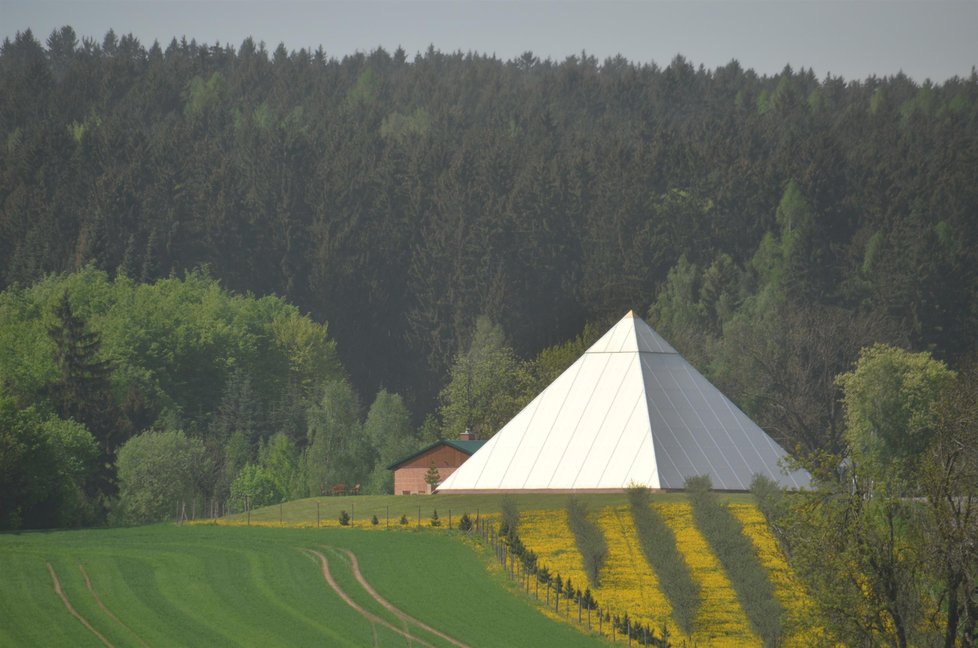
354,563
108,612
369,616
72,610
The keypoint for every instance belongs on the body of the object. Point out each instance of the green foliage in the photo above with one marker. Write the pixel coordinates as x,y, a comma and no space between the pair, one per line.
279,461
76,456
861,563
344,518
484,390
694,304
364,92
554,360
403,521
510,514
432,476
435,520
254,486
878,563
338,451
736,553
374,521
589,539
889,400
399,128
658,544
158,472
949,479
118,356
388,428
27,467
205,95
47,466
82,391
773,504
465,523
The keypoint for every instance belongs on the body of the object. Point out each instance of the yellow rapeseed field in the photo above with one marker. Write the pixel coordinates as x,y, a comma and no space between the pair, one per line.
790,593
627,581
721,621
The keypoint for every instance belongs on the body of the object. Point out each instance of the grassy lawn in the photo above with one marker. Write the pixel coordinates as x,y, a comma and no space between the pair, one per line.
219,586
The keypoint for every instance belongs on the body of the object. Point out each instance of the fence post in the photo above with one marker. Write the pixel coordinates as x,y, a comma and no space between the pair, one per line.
248,506
449,519
317,515
388,516
353,514
280,512
419,516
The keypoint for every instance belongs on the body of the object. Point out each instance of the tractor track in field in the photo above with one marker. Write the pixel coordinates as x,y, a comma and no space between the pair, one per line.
369,616
373,618
355,565
64,599
107,611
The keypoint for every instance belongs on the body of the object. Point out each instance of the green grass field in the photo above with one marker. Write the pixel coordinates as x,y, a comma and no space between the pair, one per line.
221,586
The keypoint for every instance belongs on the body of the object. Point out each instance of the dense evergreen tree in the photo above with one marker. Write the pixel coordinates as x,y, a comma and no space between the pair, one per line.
83,390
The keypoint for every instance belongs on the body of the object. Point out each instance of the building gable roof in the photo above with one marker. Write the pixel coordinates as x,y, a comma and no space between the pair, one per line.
468,447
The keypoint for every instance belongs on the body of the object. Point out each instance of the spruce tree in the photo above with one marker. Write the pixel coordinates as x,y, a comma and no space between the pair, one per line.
83,390
432,477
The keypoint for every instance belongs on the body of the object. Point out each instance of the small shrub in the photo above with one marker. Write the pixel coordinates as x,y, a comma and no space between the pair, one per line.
435,520
465,523
589,539
510,515
374,521
404,520
344,518
658,543
543,575
588,600
772,503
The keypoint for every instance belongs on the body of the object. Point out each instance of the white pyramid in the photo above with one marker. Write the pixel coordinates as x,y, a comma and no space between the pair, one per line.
629,411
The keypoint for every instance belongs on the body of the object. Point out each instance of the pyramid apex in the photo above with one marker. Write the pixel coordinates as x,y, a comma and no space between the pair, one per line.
630,314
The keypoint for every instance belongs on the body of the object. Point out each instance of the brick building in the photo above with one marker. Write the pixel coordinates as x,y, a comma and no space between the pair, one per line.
447,455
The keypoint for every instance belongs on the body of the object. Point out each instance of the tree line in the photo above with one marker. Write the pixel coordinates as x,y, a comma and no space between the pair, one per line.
121,401
401,197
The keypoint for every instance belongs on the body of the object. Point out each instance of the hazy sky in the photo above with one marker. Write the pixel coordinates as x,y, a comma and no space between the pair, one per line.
933,39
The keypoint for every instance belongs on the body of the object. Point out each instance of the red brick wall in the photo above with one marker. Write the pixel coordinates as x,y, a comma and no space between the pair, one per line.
409,477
